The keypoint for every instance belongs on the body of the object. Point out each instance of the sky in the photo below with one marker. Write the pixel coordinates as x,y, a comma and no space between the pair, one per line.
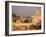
25,11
